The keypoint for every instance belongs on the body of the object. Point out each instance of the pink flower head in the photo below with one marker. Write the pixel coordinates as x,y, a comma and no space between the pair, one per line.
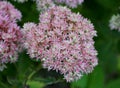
114,22
10,35
70,3
63,41
43,5
7,9
21,1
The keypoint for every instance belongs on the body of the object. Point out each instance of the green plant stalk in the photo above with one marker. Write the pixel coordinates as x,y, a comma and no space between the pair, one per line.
32,74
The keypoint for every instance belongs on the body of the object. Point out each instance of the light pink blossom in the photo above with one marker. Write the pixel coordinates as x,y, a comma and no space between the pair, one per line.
70,3
114,22
63,41
7,9
43,5
10,35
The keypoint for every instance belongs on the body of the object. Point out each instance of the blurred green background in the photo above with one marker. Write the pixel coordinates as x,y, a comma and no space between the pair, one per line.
27,73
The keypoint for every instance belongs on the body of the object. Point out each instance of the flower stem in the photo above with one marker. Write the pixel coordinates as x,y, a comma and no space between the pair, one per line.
32,74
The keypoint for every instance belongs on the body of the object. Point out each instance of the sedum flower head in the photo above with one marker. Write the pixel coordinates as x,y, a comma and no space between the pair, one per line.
21,1
70,3
8,10
43,5
10,35
63,41
115,22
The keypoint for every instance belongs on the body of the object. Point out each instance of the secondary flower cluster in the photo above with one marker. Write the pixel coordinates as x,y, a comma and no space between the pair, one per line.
10,35
8,10
115,22
21,1
70,3
63,41
43,5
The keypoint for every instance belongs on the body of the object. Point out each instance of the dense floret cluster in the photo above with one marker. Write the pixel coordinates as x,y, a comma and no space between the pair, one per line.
10,35
70,3
43,5
115,22
63,41
21,1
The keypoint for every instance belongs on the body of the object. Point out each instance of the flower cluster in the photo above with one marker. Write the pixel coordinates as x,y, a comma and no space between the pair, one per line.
10,35
115,22
43,5
70,3
9,12
21,1
63,41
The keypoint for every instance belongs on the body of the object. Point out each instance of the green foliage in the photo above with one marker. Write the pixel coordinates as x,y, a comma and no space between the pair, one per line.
35,84
93,80
96,79
113,84
81,83
109,4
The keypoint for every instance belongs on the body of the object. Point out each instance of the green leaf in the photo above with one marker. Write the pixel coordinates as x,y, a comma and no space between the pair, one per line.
23,66
81,83
35,84
96,79
118,62
113,84
2,85
11,80
111,4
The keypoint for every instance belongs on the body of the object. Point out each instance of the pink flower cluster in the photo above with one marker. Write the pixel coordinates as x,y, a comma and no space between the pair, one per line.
10,35
63,41
114,22
43,5
8,10
70,3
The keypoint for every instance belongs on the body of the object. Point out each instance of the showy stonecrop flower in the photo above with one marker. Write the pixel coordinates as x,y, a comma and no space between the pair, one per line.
63,41
8,10
115,22
43,5
21,1
10,35
70,3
